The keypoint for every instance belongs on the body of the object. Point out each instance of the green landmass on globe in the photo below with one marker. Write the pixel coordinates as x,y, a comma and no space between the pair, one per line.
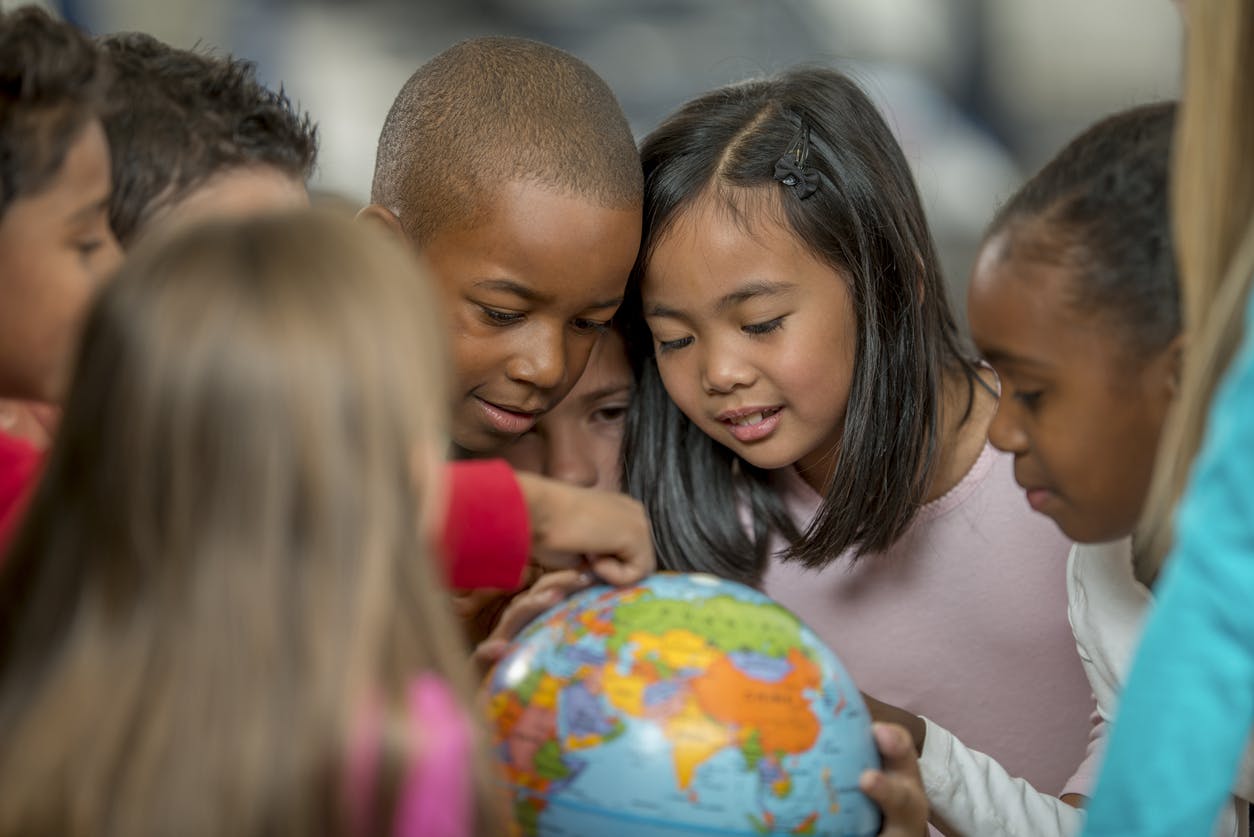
720,676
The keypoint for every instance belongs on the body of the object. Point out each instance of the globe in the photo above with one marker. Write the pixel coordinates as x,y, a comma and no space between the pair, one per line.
684,705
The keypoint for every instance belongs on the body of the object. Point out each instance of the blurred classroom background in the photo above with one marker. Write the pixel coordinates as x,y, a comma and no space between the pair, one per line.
980,92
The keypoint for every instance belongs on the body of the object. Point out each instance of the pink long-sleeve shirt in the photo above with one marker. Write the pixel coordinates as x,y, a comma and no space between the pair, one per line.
963,620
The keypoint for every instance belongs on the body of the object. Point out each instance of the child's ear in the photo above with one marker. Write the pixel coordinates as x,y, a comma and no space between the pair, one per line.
381,216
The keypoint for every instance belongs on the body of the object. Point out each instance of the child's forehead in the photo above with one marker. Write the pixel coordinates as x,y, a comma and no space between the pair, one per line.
555,244
521,213
727,216
79,180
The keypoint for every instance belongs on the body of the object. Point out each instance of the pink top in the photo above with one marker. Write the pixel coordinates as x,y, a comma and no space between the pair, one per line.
436,796
963,621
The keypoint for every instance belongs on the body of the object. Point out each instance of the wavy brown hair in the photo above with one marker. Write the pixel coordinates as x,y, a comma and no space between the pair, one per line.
223,565
53,84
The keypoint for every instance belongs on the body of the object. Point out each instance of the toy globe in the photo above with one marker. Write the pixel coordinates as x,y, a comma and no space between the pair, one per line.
684,705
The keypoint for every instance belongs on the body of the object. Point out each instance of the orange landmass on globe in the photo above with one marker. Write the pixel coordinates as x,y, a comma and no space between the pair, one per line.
779,711
505,709
807,825
694,738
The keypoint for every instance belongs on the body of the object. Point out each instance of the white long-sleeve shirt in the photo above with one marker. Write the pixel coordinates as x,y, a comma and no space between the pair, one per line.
978,797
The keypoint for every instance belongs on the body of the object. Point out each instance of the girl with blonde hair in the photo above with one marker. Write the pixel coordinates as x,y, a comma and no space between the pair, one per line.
1189,702
220,614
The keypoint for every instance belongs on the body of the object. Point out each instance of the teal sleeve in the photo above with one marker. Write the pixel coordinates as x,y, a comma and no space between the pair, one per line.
1188,705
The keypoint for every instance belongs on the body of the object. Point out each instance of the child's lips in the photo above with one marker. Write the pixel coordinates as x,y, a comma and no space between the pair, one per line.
1040,498
509,420
751,424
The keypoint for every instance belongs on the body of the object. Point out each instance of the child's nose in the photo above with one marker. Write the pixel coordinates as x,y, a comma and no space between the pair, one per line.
725,372
541,362
1005,432
570,460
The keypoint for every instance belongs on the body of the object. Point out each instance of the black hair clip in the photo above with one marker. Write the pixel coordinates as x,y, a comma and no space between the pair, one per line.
792,170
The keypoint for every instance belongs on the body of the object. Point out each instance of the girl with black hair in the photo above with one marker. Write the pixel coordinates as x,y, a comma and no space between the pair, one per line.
808,420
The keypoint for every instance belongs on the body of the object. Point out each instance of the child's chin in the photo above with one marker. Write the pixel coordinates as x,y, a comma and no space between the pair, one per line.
1088,531
761,457
480,442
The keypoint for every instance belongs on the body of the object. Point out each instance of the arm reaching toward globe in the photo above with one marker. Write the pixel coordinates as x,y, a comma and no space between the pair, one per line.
897,787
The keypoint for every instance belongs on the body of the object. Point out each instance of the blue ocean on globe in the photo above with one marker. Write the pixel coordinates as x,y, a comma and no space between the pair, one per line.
685,705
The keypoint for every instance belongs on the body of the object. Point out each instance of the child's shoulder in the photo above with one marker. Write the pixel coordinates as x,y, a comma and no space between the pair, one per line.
988,510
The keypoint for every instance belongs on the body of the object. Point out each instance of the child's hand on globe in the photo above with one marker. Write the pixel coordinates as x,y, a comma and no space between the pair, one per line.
897,788
550,589
572,526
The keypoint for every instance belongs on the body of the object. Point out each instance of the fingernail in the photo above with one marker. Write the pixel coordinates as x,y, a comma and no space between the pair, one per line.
869,780
886,736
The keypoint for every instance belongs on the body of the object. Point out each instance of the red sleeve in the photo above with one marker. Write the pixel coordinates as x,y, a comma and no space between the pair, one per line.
487,534
19,465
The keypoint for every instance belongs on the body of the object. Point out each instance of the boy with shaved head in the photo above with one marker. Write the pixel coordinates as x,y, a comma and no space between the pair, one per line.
510,166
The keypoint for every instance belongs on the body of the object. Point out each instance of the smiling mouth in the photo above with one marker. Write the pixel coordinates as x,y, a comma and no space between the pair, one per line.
752,424
748,418
508,420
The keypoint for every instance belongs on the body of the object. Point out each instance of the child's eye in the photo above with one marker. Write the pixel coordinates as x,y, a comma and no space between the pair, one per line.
1030,399
590,326
86,248
610,414
672,345
498,317
764,327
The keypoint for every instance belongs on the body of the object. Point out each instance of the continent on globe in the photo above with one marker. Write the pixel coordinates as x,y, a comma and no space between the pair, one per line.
685,704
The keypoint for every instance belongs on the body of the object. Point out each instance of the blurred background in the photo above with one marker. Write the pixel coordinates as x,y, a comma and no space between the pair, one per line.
980,92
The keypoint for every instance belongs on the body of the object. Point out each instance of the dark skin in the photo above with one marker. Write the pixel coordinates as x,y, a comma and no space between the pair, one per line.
579,440
1080,409
528,287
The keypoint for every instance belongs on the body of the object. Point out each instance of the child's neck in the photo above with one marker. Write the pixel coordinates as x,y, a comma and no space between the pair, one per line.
963,433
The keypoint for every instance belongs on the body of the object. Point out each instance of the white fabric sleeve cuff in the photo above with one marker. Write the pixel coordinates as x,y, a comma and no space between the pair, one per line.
975,795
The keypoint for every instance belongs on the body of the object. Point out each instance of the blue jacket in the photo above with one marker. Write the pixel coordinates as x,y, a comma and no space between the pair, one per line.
1186,711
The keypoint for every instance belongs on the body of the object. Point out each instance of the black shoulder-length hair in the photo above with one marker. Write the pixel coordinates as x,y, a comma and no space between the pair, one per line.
867,222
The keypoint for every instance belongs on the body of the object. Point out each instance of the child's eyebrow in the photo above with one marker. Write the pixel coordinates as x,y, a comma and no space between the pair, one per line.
663,311
746,292
518,289
531,295
999,357
609,303
606,391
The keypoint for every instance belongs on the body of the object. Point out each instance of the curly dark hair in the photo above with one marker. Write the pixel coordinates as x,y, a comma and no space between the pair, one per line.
52,84
183,116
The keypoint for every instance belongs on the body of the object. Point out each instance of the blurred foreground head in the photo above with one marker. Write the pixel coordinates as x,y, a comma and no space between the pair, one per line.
226,562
